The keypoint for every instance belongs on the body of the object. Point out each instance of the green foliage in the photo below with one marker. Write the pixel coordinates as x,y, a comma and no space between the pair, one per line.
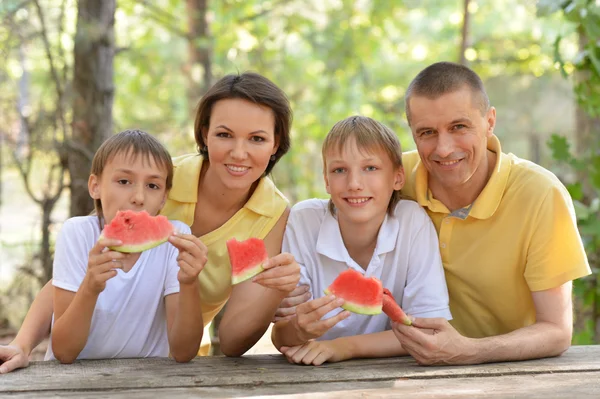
585,16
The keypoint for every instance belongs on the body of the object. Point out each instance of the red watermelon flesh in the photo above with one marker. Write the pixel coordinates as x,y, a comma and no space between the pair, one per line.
393,310
362,295
138,231
246,257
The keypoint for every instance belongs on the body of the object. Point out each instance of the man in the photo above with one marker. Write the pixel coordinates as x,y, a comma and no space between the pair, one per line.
507,231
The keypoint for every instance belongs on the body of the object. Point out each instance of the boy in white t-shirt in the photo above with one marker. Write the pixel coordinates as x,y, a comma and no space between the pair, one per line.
365,226
109,304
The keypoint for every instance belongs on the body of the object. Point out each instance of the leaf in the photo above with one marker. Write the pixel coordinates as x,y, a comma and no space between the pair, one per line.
547,7
576,191
560,148
558,57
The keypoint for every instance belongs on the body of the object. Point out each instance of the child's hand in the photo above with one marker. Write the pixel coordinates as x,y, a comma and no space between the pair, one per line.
281,273
102,263
192,257
308,321
12,357
287,307
316,352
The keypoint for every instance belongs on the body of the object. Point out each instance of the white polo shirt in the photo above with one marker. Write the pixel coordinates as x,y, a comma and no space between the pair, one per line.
406,260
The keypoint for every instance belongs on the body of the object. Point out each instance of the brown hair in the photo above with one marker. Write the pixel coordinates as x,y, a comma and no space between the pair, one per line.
132,143
255,88
369,134
446,77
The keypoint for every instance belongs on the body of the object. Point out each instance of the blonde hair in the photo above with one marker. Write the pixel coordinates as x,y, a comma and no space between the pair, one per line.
132,143
369,134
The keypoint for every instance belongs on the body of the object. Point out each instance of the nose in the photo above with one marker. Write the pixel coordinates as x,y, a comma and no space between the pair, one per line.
138,195
445,145
238,152
355,181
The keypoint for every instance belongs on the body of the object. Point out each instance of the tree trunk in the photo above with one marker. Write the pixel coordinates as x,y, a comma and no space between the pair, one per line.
93,94
199,68
464,42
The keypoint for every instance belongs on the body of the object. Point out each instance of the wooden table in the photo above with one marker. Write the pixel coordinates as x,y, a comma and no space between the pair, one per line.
575,374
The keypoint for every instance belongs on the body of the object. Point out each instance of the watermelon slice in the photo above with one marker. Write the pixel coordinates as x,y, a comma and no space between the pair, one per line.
138,231
246,257
362,295
393,310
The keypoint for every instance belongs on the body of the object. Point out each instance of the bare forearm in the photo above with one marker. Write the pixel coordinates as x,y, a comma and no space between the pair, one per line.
72,328
186,333
381,344
36,325
241,328
542,339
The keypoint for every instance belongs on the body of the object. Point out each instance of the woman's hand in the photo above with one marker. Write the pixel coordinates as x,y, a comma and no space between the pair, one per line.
281,273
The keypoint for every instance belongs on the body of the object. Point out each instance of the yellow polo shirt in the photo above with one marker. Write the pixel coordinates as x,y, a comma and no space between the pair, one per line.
256,219
519,235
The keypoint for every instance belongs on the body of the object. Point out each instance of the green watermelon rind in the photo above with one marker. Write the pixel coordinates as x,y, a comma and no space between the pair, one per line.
137,248
357,308
249,273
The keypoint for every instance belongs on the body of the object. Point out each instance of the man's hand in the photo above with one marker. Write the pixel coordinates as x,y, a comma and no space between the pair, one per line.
192,258
101,265
308,323
287,307
281,273
12,358
316,352
435,342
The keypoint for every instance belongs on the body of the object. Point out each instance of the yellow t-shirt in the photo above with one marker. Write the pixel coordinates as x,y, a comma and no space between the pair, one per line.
519,235
256,219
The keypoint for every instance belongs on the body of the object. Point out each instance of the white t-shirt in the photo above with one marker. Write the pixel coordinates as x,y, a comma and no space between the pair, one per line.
406,260
130,317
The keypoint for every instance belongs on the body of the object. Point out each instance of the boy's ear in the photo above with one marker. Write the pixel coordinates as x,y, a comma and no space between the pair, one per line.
326,182
399,179
94,187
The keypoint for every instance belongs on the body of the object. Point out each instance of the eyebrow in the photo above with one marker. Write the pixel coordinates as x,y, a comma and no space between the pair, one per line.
229,130
130,172
460,120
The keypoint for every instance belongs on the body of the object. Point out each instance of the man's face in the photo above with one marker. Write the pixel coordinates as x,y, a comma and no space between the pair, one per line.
451,137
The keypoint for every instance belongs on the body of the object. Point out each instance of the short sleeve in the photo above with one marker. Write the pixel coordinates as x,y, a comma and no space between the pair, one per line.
426,293
171,282
71,254
291,245
556,254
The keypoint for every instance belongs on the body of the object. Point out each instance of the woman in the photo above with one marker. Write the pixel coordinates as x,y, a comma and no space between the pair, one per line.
242,129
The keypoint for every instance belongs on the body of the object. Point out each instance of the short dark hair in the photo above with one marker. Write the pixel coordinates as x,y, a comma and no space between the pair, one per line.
255,88
445,77
132,143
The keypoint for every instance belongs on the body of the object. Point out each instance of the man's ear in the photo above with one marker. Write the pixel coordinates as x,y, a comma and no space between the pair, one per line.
491,120
94,187
399,179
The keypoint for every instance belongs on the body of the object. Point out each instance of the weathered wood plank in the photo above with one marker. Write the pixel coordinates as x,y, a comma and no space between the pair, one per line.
263,370
530,386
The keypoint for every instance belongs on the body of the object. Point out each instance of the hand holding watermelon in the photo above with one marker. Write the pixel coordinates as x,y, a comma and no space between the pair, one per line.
192,256
281,273
308,322
101,265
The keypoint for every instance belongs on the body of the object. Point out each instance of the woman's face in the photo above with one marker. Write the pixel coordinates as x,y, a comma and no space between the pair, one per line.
240,140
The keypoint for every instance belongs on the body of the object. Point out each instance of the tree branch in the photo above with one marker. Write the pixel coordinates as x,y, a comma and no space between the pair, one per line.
158,14
54,73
